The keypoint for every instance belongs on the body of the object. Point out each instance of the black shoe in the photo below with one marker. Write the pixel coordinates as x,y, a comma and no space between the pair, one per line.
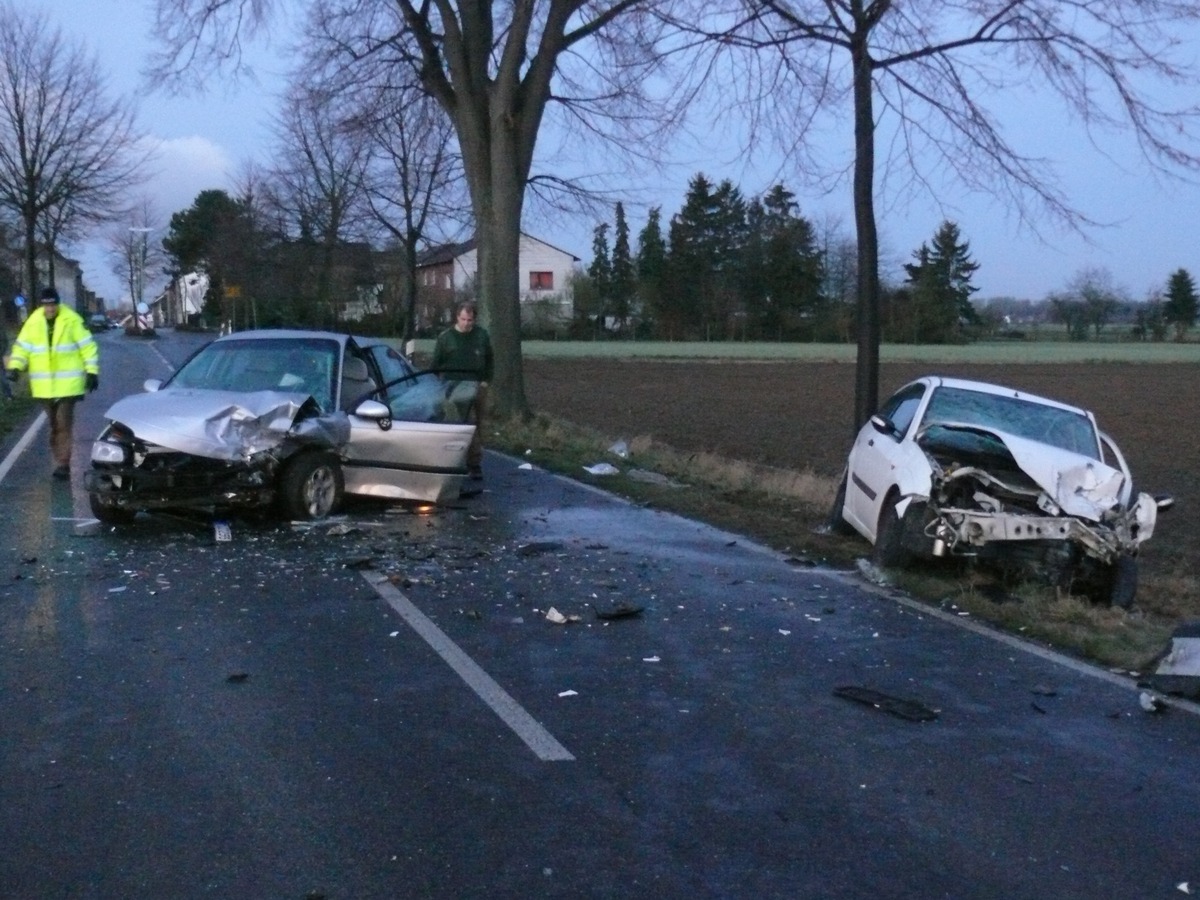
62,473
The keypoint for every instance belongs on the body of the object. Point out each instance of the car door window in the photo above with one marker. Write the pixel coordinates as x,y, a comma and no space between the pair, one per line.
901,407
427,397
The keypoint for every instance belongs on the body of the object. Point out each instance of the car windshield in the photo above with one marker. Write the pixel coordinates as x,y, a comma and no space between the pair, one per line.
291,365
1040,422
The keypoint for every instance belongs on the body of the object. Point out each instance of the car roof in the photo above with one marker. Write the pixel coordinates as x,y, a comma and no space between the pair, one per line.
274,334
985,387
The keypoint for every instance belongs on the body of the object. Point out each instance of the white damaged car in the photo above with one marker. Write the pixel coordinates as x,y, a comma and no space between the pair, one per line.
950,467
282,420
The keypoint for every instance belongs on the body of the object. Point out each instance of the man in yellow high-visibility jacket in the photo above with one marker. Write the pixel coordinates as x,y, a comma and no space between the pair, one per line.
63,361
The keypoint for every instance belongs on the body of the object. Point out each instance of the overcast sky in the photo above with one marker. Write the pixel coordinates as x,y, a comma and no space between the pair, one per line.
203,142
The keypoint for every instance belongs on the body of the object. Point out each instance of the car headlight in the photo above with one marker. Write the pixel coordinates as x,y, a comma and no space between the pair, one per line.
109,453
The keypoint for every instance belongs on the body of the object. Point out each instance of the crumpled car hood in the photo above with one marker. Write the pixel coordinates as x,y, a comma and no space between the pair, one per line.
1081,486
228,425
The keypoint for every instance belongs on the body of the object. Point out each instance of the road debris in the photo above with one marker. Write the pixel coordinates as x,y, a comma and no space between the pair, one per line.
1151,702
896,706
620,448
620,611
1178,670
602,469
553,615
872,572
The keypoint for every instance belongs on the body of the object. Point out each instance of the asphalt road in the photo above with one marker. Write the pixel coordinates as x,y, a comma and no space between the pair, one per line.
377,707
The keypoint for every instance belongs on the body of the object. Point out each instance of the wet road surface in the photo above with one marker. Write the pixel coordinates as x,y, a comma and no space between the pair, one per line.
378,706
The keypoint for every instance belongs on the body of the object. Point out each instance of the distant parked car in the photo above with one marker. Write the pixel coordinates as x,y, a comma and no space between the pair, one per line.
955,467
282,419
99,322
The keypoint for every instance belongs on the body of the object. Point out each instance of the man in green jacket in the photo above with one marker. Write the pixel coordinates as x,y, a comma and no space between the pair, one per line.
464,353
63,361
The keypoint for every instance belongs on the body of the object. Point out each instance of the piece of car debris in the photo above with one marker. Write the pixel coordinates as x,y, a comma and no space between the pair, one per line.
222,532
553,615
620,611
1151,702
238,677
535,547
896,706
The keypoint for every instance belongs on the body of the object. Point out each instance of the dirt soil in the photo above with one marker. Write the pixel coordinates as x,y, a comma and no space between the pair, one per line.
799,415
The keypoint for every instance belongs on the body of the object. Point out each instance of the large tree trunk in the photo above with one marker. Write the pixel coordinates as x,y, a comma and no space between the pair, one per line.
866,382
498,236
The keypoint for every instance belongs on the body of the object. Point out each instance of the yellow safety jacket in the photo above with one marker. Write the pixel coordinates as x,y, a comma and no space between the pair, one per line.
57,362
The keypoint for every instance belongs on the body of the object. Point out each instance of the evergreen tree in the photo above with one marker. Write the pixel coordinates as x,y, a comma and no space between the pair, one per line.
1182,306
623,280
706,240
940,290
651,267
600,272
792,270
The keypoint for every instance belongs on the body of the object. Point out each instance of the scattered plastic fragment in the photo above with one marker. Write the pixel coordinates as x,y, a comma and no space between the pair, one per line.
896,706
222,532
784,632
1151,702
568,693
873,573
1183,887
651,659
620,448
602,469
527,466
553,615
116,590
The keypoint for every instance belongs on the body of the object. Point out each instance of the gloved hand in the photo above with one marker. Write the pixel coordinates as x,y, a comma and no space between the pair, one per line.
92,380
13,374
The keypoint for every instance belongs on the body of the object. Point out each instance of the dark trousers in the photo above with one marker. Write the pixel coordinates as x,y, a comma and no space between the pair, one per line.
61,413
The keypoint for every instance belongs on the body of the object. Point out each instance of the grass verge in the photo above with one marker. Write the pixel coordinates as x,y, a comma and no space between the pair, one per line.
787,511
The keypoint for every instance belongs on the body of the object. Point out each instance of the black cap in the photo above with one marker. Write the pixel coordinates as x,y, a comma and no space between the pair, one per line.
48,295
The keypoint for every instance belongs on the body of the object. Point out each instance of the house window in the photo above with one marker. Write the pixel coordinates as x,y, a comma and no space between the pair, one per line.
541,281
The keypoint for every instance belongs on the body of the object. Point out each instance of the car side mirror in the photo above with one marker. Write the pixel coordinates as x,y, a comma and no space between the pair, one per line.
372,409
882,425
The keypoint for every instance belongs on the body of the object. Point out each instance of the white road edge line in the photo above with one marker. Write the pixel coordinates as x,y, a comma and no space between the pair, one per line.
527,728
26,438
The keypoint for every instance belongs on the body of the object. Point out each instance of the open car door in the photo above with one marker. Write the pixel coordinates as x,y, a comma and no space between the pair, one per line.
409,439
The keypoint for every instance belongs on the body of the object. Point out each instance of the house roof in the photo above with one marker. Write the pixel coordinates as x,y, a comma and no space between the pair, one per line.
445,253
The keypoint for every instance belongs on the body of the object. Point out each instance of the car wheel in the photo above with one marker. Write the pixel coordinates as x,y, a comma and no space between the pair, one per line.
108,512
1122,582
837,521
892,548
311,486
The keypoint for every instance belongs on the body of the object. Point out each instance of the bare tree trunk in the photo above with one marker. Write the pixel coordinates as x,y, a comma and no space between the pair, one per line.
866,381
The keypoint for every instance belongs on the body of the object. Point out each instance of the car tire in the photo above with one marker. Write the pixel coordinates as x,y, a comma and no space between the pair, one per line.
311,486
106,511
892,547
837,521
1122,582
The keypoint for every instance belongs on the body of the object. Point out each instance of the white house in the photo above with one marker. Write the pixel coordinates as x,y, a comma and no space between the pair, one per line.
448,272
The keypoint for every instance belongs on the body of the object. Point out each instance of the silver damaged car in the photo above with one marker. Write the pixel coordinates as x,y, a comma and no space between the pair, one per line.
951,467
287,421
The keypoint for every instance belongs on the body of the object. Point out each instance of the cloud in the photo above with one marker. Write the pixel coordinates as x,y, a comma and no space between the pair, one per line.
185,166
